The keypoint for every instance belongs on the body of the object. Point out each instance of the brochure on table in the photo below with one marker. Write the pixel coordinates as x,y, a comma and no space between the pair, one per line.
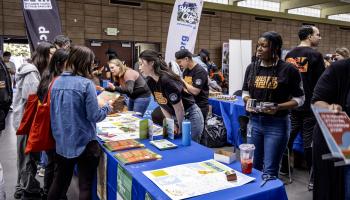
335,128
123,126
185,181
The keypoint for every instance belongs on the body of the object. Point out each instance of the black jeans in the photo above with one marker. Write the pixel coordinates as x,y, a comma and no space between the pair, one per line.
205,111
87,164
3,113
304,122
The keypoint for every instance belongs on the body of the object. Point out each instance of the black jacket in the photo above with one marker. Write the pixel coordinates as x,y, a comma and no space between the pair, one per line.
5,87
5,94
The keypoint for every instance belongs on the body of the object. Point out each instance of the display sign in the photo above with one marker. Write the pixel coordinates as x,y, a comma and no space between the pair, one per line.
183,27
124,184
335,128
42,21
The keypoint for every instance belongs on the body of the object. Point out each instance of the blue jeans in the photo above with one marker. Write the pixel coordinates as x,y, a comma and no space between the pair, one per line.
347,182
195,116
270,135
139,104
43,159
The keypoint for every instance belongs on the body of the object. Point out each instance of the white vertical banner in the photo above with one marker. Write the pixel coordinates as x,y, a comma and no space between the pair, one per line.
183,27
240,57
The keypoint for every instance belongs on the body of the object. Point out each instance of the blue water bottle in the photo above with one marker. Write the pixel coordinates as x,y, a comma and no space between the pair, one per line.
186,133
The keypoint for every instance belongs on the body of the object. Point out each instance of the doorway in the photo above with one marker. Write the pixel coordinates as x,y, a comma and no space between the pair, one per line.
18,46
128,51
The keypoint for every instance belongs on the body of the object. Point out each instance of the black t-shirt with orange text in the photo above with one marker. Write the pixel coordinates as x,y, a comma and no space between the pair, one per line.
310,64
198,78
277,86
168,92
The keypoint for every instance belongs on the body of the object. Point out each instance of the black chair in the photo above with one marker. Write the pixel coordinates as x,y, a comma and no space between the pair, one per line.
238,93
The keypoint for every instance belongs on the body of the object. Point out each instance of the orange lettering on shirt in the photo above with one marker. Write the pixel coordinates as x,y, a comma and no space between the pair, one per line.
266,82
301,63
160,98
188,79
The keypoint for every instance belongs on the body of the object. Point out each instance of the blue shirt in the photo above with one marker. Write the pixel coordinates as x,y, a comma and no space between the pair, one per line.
74,112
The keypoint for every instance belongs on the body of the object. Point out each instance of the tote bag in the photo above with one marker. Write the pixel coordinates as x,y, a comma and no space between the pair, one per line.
40,135
28,115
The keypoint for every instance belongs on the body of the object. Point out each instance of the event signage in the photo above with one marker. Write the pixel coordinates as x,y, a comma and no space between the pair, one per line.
124,184
42,21
335,128
183,27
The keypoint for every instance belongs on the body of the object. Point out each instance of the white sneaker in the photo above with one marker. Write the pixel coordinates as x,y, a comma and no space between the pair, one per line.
41,172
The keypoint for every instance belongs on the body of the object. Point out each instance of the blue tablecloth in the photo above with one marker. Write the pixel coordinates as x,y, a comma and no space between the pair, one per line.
194,153
230,111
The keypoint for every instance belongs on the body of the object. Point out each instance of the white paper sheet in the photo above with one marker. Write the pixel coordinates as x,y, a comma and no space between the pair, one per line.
185,181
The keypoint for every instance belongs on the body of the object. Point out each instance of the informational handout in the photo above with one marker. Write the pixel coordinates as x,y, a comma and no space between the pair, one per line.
185,181
122,126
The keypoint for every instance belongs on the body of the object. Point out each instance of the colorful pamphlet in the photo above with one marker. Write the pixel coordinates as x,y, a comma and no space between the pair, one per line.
163,144
107,96
136,156
169,128
123,145
335,128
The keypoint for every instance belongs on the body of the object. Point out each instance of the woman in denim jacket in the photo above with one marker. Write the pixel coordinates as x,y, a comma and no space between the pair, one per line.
75,111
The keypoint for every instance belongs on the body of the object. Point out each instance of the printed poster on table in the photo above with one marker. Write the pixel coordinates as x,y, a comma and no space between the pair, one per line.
335,128
102,177
185,181
183,27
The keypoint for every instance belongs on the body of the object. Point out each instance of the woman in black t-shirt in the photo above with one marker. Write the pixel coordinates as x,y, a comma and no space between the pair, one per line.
169,92
276,87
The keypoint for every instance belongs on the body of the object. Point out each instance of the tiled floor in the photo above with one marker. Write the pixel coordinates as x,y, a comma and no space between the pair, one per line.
297,190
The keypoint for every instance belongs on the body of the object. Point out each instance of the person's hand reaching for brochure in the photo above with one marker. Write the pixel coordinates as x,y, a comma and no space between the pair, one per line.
111,103
335,108
101,102
111,86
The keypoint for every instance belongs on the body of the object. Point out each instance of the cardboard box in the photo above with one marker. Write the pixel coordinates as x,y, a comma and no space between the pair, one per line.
224,156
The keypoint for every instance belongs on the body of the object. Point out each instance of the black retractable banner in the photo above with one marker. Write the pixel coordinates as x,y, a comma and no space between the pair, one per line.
42,21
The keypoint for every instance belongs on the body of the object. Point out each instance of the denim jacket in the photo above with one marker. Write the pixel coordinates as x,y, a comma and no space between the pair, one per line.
74,112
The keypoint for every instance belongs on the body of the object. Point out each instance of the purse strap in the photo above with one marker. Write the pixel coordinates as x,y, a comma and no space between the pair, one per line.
48,94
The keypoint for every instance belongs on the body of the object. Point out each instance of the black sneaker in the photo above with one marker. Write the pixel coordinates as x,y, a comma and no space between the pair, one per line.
18,194
31,196
284,171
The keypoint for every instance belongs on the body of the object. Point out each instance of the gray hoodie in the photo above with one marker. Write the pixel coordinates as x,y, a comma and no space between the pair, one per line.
27,81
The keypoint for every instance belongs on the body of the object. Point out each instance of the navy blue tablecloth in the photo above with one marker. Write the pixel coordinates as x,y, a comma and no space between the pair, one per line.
230,111
182,155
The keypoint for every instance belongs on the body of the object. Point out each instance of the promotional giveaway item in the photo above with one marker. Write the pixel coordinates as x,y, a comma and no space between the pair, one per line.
186,133
247,156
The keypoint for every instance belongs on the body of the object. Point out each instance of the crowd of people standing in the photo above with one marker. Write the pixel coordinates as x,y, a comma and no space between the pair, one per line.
288,86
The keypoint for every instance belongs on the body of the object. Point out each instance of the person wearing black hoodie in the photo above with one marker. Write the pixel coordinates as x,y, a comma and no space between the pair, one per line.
5,94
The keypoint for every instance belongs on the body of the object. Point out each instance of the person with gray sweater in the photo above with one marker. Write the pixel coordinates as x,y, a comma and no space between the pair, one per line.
27,78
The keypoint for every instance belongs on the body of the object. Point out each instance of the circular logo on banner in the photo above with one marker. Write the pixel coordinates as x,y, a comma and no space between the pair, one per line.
198,81
173,97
